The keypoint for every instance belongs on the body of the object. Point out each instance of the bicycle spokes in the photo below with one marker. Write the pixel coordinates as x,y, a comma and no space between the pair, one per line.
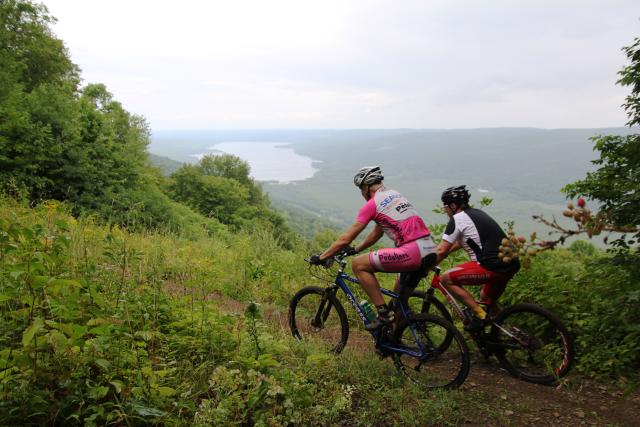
433,367
316,316
322,314
532,344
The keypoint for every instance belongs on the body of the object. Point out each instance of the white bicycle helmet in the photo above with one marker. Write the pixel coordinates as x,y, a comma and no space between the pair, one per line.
368,175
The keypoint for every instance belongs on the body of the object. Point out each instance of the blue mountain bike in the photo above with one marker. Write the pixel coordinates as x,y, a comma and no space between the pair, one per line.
316,314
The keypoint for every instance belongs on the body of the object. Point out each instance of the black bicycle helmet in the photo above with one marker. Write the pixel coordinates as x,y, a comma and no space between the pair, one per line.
456,194
368,175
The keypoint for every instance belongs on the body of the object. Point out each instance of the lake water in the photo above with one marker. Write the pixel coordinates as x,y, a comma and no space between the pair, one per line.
269,161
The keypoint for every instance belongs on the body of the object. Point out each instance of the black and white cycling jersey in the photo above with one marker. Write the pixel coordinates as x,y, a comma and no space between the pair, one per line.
480,236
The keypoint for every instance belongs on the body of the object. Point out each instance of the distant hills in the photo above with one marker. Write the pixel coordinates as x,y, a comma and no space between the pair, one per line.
522,169
165,164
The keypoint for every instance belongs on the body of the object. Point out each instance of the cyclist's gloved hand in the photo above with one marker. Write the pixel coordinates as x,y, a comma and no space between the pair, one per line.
315,260
349,250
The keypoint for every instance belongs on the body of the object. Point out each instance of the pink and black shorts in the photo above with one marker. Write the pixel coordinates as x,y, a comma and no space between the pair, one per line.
407,257
472,273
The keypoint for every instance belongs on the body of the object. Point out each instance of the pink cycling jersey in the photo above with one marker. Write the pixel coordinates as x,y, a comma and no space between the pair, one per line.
401,223
397,217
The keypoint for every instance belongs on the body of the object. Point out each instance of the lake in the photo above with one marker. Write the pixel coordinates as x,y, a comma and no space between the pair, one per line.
269,161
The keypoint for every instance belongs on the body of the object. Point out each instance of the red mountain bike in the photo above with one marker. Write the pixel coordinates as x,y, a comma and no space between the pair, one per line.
529,341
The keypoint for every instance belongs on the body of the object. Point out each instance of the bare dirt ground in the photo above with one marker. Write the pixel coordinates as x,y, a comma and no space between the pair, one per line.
574,402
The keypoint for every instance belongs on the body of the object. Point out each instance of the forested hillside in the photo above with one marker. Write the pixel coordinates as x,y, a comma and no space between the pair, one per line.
61,141
131,298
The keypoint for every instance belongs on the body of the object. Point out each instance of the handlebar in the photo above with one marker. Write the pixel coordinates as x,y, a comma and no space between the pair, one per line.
338,258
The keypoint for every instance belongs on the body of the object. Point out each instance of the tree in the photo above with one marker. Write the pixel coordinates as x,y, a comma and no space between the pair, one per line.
213,196
616,182
227,166
220,187
38,83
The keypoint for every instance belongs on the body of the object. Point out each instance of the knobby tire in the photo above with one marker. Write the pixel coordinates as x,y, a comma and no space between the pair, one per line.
543,350
439,369
315,313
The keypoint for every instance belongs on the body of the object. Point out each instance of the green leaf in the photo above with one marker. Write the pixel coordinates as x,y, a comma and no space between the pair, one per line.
97,393
78,331
98,321
66,328
31,331
117,385
6,374
257,395
16,274
103,364
267,361
145,335
166,391
317,359
58,285
58,340
146,411
102,330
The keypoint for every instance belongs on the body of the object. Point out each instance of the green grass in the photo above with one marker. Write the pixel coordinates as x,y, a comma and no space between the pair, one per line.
100,325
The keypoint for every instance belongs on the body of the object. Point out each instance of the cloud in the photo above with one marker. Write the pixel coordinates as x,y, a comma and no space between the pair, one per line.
361,63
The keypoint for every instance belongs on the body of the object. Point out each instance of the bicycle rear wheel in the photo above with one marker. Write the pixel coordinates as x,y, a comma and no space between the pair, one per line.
315,314
532,343
437,368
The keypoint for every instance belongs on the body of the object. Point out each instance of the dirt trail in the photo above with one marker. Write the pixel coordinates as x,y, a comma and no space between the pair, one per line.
576,403
586,404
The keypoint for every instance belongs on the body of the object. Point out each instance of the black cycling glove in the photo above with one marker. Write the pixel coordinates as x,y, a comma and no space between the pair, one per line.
349,250
315,260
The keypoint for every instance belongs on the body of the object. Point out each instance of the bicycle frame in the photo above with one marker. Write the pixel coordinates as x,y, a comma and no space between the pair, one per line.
435,284
341,282
459,311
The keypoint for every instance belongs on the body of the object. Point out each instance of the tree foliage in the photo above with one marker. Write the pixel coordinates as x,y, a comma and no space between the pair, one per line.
226,166
37,87
615,184
56,140
79,145
213,196
220,187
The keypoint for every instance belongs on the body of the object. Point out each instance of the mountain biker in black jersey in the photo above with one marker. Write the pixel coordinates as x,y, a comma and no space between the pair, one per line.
480,235
395,216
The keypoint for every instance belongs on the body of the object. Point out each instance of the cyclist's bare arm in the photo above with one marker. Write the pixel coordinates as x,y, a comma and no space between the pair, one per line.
371,238
445,248
344,240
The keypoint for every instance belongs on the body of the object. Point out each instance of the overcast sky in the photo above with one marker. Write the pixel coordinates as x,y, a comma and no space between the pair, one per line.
241,64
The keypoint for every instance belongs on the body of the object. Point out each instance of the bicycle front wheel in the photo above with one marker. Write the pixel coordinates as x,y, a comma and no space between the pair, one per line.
532,343
437,368
316,315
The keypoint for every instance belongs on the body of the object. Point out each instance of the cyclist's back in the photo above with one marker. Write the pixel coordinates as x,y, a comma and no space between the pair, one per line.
480,236
397,217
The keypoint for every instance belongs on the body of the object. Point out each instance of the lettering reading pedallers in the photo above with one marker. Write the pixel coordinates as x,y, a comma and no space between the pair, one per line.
393,257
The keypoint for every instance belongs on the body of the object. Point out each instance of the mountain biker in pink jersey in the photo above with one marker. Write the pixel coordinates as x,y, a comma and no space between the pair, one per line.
394,216
480,236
